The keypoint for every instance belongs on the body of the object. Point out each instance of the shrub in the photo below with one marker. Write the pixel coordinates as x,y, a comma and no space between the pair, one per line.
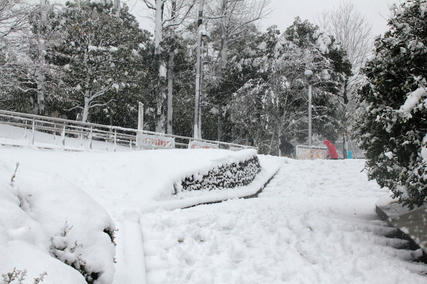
392,122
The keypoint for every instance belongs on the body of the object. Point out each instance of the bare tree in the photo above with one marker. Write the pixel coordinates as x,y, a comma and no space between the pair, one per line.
352,30
177,11
13,16
233,16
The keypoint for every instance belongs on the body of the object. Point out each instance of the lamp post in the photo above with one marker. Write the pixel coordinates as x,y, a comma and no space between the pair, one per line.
197,133
308,74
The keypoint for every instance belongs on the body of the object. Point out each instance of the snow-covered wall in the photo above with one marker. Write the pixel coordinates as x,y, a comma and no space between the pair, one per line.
228,173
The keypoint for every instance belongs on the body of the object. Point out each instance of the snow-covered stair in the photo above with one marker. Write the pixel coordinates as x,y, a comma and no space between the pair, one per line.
314,223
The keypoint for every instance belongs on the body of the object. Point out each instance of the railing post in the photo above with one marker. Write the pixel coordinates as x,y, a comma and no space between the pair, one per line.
33,132
81,137
115,140
25,130
90,137
63,136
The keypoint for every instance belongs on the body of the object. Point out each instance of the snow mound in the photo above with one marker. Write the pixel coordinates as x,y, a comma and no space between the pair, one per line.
45,219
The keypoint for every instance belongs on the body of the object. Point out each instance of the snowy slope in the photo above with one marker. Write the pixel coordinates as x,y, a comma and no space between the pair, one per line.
315,223
120,180
77,192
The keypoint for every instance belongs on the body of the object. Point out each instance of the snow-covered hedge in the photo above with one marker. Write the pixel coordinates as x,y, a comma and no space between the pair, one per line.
50,227
392,124
226,174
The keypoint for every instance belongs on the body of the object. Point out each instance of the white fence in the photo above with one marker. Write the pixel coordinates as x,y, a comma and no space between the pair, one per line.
49,132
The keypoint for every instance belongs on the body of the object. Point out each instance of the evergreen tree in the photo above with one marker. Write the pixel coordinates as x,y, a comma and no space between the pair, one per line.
392,125
277,64
102,59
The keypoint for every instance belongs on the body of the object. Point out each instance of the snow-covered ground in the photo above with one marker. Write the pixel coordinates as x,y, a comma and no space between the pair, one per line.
315,223
126,180
61,198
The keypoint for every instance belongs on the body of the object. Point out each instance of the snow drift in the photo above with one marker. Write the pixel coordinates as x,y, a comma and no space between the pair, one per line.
48,225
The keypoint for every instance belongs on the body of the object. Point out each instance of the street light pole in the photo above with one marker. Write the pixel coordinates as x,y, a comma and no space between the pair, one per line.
197,126
308,74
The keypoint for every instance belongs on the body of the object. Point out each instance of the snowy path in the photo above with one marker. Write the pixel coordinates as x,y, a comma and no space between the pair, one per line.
307,227
130,266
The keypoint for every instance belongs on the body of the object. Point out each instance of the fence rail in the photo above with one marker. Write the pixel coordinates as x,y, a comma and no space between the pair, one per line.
76,134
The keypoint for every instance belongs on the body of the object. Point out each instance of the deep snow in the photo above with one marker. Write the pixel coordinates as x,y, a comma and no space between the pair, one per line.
315,223
79,191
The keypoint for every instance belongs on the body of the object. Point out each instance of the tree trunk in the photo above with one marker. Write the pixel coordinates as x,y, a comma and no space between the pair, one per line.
197,127
116,7
224,51
271,144
85,109
223,61
219,125
344,140
161,92
279,135
171,66
40,103
158,25
170,90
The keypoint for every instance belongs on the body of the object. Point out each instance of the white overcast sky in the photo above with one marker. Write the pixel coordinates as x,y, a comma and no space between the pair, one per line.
283,12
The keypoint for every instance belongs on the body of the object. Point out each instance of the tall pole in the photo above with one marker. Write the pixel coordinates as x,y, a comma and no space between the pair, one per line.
308,73
140,116
196,128
309,115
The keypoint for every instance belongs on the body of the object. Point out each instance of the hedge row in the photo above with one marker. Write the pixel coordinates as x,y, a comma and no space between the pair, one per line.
224,176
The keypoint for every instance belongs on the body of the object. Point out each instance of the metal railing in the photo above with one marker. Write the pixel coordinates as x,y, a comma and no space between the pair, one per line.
38,129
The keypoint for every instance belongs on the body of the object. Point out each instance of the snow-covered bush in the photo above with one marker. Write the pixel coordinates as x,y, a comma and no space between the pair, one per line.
18,276
392,123
227,175
47,224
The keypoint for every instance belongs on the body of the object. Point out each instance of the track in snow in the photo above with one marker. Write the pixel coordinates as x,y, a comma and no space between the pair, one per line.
314,223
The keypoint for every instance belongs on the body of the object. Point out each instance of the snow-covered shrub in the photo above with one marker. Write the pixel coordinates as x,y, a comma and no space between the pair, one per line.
392,123
15,276
18,276
227,175
34,207
69,252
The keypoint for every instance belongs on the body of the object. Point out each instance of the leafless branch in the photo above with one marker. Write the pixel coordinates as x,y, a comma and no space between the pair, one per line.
73,108
149,5
101,104
173,22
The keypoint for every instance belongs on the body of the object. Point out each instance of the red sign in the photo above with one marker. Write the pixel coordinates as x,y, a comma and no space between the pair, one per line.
201,145
146,141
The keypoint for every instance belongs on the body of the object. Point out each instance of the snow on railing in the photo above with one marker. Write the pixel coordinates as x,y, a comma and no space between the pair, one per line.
51,132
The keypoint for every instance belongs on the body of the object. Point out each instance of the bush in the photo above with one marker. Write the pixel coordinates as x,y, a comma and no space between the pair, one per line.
392,122
225,176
